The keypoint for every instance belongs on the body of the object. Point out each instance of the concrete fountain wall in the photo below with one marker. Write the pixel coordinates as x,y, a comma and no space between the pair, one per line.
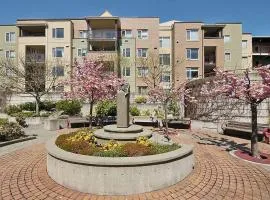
118,176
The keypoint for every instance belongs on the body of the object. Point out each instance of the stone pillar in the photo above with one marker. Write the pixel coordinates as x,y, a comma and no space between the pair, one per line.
123,109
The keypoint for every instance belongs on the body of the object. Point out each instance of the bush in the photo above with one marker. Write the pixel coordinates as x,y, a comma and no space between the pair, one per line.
3,121
70,107
134,111
106,108
48,105
146,112
10,131
173,108
28,106
133,149
11,109
140,99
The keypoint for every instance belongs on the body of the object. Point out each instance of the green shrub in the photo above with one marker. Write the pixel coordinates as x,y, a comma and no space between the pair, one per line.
173,108
28,106
3,121
47,105
159,148
20,118
106,108
11,131
134,111
23,114
146,112
11,109
140,99
70,107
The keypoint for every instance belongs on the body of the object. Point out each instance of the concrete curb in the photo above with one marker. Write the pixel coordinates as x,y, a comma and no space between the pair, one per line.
61,154
2,144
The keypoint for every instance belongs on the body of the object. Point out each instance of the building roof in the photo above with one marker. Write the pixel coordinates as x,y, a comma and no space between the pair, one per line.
247,33
229,23
262,36
168,23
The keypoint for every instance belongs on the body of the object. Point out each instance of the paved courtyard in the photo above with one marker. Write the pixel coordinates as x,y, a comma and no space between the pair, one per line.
217,175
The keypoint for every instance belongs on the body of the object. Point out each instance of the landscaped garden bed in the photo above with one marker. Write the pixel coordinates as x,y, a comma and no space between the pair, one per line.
83,142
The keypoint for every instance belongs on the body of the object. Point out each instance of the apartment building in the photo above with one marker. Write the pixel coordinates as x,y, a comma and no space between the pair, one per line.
185,50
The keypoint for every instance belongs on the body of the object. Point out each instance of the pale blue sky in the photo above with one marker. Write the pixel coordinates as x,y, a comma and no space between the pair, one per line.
254,15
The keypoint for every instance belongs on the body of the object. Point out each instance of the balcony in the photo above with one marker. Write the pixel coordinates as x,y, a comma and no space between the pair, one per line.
261,50
210,60
103,34
35,54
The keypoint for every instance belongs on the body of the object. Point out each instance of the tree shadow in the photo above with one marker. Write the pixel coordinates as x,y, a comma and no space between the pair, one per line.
227,144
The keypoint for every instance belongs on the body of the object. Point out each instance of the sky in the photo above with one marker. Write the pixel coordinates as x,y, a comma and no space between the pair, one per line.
254,15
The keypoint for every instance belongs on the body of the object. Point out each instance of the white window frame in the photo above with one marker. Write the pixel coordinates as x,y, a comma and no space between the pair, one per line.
125,70
161,43
140,52
83,51
55,71
9,37
125,54
189,71
124,33
227,52
246,44
161,57
83,33
165,74
188,34
188,53
143,71
8,54
142,34
54,50
54,33
227,38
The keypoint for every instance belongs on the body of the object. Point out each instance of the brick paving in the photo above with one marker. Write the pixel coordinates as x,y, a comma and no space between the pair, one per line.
217,175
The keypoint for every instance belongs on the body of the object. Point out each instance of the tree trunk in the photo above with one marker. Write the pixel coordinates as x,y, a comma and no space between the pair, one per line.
254,134
37,105
166,118
91,114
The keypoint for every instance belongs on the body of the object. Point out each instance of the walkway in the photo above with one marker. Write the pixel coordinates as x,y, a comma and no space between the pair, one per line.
217,175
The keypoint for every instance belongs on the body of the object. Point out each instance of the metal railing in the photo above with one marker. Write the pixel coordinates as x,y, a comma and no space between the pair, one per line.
103,34
261,49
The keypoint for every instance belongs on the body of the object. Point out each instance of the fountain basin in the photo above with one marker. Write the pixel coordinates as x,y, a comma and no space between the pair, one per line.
120,175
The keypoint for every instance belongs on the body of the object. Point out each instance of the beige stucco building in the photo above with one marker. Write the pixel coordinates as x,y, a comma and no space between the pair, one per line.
185,50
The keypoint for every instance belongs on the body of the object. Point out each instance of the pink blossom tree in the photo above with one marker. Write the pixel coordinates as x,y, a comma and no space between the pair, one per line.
90,81
165,95
243,88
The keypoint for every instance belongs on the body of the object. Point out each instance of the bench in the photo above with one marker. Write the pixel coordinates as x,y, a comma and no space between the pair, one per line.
242,129
150,122
178,123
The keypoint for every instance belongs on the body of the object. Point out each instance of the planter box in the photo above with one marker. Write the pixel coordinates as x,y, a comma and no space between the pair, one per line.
51,124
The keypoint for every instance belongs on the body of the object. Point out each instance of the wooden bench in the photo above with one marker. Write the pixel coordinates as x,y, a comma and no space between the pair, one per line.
242,129
178,123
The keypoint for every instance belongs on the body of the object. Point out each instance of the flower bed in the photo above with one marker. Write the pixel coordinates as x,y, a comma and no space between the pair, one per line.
83,142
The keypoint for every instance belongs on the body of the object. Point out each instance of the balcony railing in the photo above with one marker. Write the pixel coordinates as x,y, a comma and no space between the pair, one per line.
103,34
261,50
38,58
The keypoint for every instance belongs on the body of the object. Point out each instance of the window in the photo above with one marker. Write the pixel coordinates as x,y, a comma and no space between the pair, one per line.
10,37
142,71
82,52
227,38
126,52
166,77
142,90
143,34
58,71
193,54
58,33
165,42
142,52
59,88
83,34
126,33
192,35
192,72
227,56
164,59
58,52
126,71
10,54
244,44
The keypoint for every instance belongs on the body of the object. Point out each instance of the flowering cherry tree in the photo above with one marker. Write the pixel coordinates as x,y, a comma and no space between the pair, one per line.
243,88
164,96
90,81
